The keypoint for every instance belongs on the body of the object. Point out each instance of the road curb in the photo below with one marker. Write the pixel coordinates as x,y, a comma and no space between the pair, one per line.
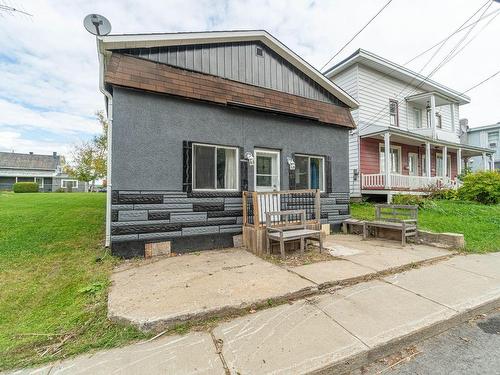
347,365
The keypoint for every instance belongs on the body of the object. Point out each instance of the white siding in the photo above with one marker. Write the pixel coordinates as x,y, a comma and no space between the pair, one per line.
348,81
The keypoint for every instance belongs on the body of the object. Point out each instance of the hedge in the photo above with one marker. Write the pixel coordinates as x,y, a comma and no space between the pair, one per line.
25,187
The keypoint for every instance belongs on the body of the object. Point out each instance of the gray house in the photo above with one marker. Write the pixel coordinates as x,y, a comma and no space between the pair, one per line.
46,170
198,118
487,136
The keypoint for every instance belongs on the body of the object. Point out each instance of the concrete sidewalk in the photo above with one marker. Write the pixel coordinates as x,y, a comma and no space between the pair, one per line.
155,294
331,333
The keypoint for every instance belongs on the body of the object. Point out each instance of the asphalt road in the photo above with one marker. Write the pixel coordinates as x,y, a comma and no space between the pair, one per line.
470,348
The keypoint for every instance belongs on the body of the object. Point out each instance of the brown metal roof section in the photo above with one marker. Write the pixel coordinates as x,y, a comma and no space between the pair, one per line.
127,71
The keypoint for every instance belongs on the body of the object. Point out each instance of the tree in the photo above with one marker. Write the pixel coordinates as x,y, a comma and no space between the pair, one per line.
89,158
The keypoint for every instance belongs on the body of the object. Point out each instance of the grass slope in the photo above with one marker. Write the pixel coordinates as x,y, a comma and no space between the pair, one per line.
479,223
54,275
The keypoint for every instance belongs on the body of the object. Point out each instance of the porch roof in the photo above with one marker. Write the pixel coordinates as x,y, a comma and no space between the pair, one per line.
410,138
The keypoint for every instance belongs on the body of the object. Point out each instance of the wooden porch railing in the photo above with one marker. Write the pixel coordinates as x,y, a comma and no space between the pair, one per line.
399,181
257,204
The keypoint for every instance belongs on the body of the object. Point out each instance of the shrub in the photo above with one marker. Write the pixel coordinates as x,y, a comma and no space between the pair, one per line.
25,187
482,187
447,194
410,199
60,190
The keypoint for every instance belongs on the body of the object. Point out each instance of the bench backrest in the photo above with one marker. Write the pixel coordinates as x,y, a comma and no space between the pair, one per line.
394,212
291,219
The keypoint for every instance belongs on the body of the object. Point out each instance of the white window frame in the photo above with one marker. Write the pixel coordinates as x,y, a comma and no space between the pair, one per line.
380,145
215,160
494,141
415,155
439,120
66,180
396,114
322,189
267,151
41,185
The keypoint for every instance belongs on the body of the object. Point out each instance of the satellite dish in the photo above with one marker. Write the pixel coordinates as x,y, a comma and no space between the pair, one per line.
97,24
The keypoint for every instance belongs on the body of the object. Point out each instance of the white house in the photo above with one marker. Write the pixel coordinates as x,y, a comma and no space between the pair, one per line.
417,119
487,136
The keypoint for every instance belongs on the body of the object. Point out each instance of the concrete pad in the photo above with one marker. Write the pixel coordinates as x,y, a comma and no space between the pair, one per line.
452,287
288,339
332,272
193,286
481,264
377,312
382,255
190,354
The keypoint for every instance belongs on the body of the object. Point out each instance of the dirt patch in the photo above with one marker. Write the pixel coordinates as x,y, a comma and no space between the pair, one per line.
295,258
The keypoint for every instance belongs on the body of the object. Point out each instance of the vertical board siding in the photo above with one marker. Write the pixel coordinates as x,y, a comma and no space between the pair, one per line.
239,62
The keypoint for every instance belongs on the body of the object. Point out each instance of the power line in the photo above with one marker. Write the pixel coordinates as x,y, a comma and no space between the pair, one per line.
480,83
10,9
355,35
382,111
495,12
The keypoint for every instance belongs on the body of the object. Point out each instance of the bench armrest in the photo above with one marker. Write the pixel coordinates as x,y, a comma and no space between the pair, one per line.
273,229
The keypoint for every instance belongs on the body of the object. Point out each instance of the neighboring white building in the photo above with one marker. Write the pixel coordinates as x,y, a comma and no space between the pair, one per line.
415,117
487,136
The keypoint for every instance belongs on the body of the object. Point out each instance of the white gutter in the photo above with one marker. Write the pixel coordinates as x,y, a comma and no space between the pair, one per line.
108,95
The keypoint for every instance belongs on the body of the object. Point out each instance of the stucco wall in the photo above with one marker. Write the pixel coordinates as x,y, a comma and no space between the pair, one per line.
148,131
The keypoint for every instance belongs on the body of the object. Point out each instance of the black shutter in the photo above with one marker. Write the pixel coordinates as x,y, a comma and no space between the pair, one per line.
328,173
243,171
291,176
187,166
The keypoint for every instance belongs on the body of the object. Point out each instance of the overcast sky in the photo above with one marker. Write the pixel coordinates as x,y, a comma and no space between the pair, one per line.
49,68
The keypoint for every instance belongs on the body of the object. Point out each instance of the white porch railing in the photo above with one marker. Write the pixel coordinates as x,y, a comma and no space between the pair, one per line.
399,181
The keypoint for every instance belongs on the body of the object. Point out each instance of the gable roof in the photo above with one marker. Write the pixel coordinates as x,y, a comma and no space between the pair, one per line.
396,71
124,41
13,160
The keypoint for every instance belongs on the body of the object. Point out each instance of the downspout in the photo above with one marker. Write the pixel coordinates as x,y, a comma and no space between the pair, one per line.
109,98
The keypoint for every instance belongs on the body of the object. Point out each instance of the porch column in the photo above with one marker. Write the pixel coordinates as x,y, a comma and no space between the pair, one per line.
433,116
445,161
428,159
485,162
387,159
459,161
492,162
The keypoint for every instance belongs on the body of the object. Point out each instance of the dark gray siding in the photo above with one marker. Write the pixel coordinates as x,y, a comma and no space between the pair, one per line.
239,62
149,129
147,166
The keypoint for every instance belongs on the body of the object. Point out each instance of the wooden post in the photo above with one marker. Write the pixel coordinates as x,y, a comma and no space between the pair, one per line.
318,206
256,212
244,201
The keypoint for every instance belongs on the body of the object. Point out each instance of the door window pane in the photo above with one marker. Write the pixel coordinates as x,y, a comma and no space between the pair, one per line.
395,160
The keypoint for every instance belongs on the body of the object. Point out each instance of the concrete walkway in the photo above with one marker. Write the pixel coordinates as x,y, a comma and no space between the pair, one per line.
332,333
163,292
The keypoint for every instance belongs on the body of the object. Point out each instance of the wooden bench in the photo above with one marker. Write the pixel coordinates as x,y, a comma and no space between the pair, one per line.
398,217
292,228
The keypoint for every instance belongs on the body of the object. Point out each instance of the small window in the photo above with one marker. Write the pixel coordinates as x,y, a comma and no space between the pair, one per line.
259,52
309,172
69,184
417,117
214,167
393,113
439,122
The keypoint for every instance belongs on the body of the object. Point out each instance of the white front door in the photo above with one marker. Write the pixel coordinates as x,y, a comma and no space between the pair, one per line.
267,170
267,179
412,164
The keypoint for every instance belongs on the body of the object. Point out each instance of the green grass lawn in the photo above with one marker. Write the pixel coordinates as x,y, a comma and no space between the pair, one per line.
479,223
54,274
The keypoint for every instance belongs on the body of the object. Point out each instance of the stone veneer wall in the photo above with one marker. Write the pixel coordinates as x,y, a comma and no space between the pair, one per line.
191,220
